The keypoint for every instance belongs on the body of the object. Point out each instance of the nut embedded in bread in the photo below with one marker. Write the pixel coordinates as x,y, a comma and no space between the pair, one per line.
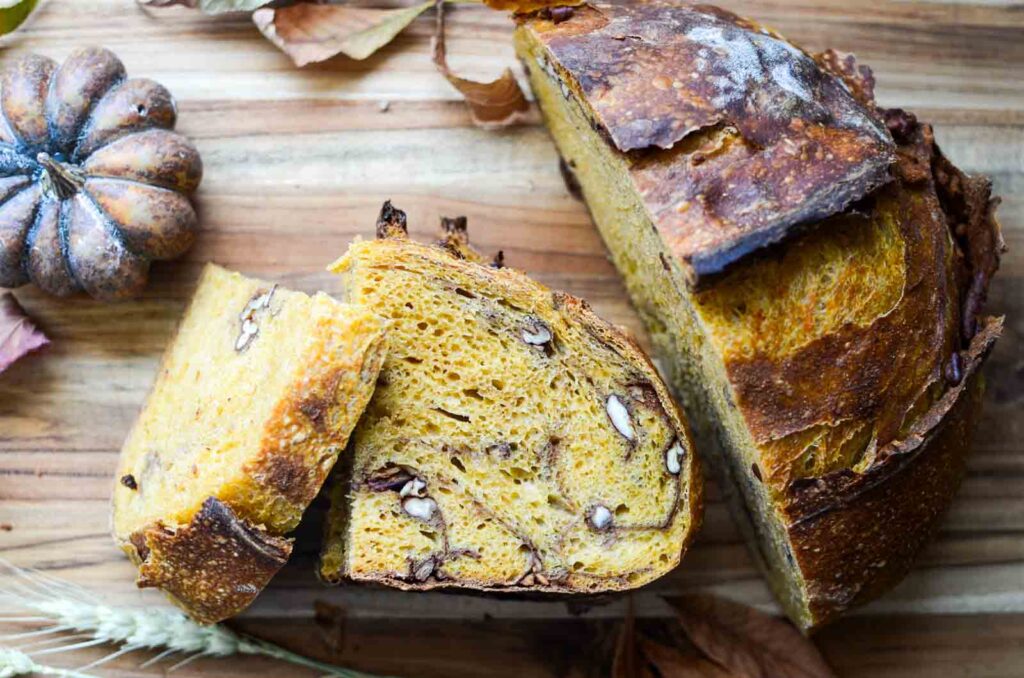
811,268
255,399
515,442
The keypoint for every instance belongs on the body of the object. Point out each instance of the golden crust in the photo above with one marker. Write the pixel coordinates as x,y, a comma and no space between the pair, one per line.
875,371
329,399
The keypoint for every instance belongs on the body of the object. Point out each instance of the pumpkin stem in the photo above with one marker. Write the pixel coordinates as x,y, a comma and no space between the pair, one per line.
62,179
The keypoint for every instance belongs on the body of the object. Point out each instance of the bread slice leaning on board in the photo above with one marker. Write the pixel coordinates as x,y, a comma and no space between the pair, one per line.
512,442
810,267
254,401
515,443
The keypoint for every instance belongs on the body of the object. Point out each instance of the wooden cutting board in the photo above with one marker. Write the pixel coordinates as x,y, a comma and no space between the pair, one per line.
297,165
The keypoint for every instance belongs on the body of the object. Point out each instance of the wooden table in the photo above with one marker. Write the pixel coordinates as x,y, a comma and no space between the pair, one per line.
298,163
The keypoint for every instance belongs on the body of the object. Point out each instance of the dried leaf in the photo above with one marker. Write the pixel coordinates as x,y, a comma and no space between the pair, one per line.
13,14
491,104
310,33
673,663
210,6
528,6
628,663
18,335
331,620
749,643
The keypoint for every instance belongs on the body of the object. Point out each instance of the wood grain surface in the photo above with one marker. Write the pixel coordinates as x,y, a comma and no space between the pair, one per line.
297,163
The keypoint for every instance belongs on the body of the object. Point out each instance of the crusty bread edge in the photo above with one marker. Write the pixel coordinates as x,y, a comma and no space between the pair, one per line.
894,507
215,566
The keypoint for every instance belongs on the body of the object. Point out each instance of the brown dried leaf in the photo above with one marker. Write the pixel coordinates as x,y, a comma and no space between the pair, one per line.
528,6
18,335
331,620
309,33
491,104
670,662
749,643
628,662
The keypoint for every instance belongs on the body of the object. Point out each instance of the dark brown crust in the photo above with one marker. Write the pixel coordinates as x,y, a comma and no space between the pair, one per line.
213,567
871,372
855,535
654,73
217,564
391,222
875,372
288,471
289,475
970,210
315,409
858,78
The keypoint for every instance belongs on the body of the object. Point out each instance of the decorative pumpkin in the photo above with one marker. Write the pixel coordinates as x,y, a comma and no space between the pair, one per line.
93,184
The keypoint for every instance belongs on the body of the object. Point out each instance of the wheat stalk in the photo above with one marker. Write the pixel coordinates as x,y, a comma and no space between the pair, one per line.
16,663
77,619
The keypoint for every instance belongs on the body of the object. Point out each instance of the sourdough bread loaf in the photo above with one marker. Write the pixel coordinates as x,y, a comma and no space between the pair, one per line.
255,398
810,267
515,442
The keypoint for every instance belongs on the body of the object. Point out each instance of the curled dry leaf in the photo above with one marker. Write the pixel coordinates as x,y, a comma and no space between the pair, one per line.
331,620
746,642
628,662
309,33
637,656
491,104
18,335
209,6
672,662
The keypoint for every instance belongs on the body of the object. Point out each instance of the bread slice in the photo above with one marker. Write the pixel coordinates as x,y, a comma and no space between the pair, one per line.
515,442
255,399
833,374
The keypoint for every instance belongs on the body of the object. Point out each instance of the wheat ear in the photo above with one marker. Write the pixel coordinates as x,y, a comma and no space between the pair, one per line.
64,608
16,663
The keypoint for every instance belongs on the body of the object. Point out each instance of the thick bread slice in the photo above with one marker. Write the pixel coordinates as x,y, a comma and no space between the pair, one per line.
515,442
255,399
834,372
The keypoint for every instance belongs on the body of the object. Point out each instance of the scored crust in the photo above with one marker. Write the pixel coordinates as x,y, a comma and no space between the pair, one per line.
846,432
368,476
694,70
893,507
